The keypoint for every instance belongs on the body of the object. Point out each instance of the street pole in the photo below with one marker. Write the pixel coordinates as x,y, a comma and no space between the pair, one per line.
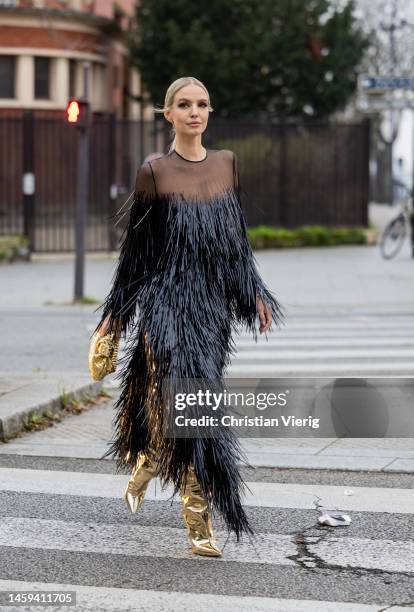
412,187
82,194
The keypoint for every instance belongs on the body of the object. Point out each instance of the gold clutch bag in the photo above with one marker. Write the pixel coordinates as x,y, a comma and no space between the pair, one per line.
103,355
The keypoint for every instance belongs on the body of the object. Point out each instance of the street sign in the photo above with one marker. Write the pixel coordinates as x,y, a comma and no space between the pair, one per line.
387,82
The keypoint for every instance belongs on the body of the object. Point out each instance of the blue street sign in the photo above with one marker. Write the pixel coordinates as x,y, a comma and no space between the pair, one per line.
388,82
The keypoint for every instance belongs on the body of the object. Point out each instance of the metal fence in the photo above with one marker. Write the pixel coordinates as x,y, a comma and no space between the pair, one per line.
292,174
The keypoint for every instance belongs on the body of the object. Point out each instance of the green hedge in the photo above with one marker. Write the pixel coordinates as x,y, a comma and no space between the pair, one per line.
267,237
13,247
261,237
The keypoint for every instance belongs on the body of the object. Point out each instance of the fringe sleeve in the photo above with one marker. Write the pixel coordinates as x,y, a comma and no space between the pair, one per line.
247,281
136,256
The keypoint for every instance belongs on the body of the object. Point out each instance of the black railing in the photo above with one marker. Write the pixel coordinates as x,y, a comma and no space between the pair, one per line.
291,174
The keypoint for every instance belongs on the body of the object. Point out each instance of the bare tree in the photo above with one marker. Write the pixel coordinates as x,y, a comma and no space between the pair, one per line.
390,25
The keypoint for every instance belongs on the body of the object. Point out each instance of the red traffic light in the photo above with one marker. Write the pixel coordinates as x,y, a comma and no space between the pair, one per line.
77,112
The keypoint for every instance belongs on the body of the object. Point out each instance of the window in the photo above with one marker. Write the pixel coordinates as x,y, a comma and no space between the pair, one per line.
42,77
7,71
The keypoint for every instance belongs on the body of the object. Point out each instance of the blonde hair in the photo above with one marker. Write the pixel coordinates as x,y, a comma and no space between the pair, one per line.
169,99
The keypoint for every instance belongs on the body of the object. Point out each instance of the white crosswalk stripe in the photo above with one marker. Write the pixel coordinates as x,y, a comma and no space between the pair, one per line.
120,600
258,494
135,541
385,555
329,346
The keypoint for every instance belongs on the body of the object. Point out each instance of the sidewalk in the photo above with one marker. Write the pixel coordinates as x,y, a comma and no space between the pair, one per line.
86,436
24,393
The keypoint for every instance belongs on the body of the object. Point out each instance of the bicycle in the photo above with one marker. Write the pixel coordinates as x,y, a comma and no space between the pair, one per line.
396,231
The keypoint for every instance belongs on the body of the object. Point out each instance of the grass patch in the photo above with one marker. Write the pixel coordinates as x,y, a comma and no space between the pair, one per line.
13,247
69,405
86,300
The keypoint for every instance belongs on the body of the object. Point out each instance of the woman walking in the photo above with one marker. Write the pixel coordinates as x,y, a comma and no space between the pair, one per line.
187,264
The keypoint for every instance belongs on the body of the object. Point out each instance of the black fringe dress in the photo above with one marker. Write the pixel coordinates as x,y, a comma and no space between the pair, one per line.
185,280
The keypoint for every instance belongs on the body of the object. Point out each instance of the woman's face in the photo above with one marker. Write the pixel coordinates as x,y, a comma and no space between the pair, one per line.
189,111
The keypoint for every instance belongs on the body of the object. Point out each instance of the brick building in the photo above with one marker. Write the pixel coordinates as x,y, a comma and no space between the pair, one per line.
43,45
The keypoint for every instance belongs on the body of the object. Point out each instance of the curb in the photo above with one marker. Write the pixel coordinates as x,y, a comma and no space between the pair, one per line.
14,423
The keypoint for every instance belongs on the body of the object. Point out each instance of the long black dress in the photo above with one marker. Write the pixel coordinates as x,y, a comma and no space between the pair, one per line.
187,264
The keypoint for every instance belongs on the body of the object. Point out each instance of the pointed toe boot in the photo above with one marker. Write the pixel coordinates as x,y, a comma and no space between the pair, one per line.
145,469
197,518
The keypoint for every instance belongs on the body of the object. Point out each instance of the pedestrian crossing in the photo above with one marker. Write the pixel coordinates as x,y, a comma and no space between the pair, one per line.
329,345
65,527
69,529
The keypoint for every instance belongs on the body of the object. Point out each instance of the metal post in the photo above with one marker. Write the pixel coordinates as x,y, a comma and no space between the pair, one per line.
366,149
28,186
283,216
112,172
412,191
82,194
141,128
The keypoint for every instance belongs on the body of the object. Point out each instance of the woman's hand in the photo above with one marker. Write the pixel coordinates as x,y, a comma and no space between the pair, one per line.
103,329
265,315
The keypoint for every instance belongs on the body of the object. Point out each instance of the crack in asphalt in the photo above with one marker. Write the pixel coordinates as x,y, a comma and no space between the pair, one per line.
310,561
304,557
400,605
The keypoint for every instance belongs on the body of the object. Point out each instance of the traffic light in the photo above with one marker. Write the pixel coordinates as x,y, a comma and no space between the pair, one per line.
78,112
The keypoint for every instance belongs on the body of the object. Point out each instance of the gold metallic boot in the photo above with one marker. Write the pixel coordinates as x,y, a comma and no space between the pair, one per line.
145,469
197,518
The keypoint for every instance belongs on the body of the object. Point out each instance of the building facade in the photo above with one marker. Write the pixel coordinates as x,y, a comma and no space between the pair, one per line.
44,45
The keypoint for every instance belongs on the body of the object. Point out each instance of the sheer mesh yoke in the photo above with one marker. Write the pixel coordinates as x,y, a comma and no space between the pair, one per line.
167,237
200,181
